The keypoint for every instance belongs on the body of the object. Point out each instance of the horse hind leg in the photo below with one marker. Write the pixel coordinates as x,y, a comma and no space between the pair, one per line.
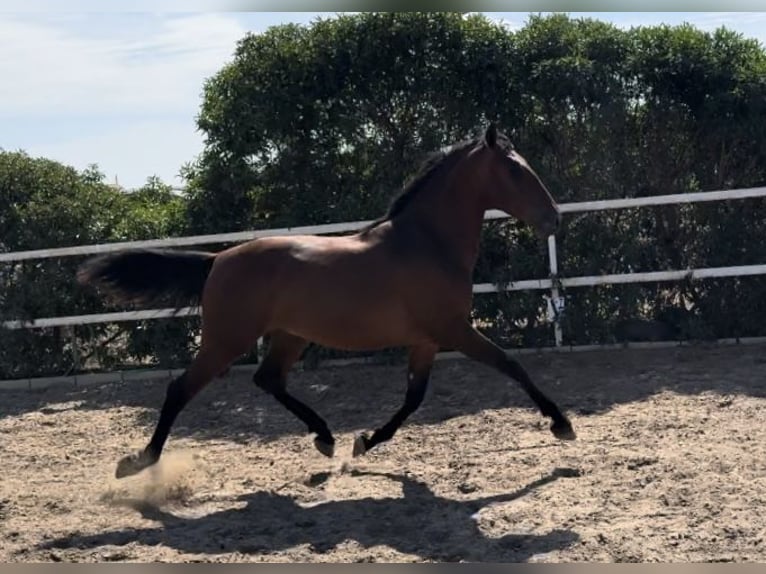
208,363
284,350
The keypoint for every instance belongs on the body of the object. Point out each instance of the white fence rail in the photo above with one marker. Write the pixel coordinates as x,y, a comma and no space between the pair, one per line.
238,236
551,283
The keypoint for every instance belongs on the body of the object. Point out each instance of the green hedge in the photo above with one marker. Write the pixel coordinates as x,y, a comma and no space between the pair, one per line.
323,123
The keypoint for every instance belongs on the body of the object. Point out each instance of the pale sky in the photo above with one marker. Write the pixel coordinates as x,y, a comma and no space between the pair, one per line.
122,90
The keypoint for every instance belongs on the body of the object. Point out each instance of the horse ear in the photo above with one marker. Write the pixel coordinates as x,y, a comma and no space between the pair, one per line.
490,135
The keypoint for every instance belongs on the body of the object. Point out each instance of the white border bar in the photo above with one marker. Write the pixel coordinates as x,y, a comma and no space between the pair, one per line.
238,236
479,288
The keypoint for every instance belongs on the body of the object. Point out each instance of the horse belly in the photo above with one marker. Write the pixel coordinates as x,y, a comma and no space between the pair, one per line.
350,316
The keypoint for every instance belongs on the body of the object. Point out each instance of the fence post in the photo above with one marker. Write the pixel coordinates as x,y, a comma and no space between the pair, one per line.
556,302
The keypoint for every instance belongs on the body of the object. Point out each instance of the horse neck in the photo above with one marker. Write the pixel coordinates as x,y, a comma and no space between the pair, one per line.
451,210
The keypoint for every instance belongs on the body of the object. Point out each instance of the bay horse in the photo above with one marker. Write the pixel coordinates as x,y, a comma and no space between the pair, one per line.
405,280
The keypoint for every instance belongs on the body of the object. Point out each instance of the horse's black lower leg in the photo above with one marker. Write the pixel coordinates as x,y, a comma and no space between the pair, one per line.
275,386
179,392
271,376
419,370
476,346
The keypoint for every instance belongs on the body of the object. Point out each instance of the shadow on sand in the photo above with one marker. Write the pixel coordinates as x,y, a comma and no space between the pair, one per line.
418,523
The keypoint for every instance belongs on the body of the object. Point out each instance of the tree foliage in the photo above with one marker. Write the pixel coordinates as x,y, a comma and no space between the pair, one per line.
44,204
324,123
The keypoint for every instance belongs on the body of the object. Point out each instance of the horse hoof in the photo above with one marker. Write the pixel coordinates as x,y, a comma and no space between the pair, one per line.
563,430
133,464
361,445
326,448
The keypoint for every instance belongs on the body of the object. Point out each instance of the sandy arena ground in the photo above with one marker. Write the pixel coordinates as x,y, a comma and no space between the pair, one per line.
669,465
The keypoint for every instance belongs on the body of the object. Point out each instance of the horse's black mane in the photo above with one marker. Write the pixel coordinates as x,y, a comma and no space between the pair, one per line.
432,164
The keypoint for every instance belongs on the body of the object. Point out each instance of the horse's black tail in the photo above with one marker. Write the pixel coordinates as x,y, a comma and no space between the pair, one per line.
150,276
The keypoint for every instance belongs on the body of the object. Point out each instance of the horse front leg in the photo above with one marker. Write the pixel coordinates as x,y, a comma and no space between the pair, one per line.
421,360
